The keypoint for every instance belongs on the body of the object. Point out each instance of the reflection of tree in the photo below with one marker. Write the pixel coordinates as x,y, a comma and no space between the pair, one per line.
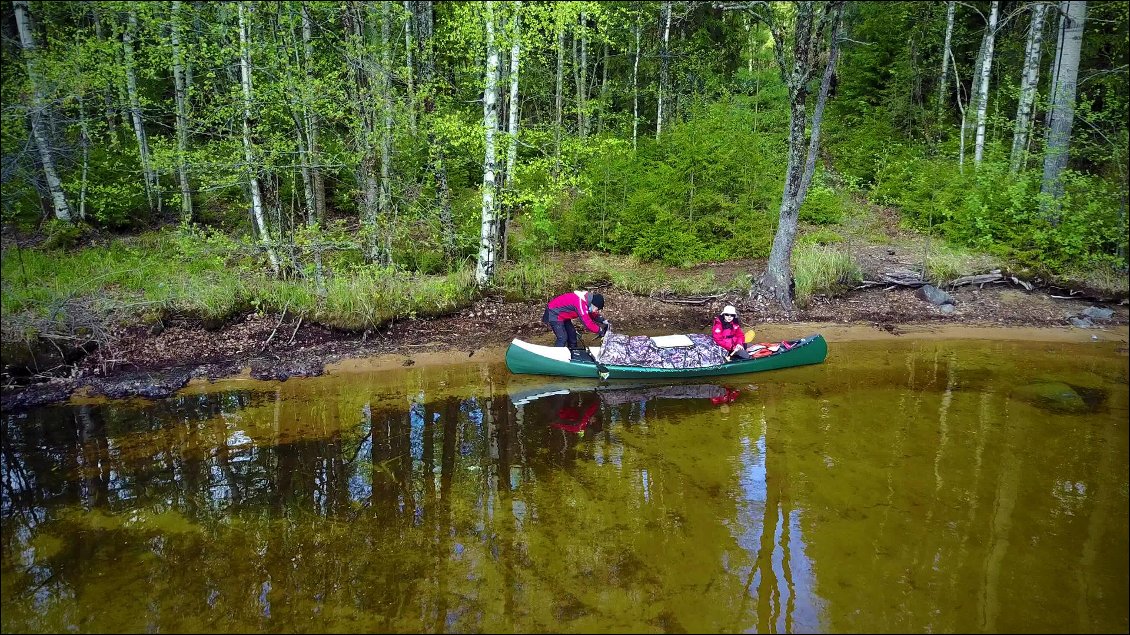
263,511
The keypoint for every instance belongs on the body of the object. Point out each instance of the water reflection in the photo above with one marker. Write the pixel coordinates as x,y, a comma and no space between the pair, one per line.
932,487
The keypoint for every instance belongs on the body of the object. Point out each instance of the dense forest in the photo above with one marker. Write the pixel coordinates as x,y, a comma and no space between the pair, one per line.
373,159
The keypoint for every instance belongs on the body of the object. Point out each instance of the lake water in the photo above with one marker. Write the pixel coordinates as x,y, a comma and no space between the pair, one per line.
901,486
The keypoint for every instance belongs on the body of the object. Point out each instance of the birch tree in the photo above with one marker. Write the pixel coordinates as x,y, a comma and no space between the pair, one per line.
664,63
946,54
559,22
313,134
148,175
182,114
1062,109
39,114
252,166
636,85
983,82
488,239
384,200
512,127
1029,78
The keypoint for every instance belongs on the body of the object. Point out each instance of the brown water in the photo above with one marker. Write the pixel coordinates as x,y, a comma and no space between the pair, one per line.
902,486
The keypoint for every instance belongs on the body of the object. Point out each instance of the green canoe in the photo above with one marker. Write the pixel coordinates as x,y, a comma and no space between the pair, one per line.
534,359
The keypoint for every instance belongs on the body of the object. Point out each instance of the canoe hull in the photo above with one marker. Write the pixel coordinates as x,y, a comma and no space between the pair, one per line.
534,359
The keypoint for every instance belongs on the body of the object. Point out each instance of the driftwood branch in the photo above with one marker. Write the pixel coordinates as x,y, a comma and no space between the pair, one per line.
281,318
695,301
982,279
295,331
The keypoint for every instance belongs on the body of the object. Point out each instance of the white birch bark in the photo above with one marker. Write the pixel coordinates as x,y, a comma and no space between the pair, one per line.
248,148
983,83
635,88
484,271
512,127
946,54
182,116
1062,109
663,69
1030,77
135,111
583,85
410,75
39,112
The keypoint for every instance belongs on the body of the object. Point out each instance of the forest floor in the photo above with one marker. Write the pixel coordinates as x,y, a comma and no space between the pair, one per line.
154,361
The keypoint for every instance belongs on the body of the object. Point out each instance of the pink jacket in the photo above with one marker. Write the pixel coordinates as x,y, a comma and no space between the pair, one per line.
569,306
727,335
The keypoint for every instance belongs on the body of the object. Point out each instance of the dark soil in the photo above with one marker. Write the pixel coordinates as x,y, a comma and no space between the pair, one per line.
155,361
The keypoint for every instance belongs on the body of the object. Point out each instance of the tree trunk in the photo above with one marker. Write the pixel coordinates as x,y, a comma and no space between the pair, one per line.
557,96
579,103
135,113
950,9
312,122
384,203
603,91
182,116
484,271
1062,109
512,130
39,113
436,156
111,114
664,54
635,88
248,148
1029,79
410,76
777,278
983,83
583,85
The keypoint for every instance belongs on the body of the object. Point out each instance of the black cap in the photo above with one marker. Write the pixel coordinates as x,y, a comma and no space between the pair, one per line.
598,300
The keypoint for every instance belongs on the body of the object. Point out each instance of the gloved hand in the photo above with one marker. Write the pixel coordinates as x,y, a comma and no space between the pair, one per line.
605,326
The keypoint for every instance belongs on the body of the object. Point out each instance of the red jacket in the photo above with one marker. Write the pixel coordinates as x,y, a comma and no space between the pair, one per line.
568,306
727,335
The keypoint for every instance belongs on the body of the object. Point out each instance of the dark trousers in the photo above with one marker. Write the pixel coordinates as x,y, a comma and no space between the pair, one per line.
563,330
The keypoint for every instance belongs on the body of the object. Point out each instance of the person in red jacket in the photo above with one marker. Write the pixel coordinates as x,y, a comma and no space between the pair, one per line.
728,333
562,310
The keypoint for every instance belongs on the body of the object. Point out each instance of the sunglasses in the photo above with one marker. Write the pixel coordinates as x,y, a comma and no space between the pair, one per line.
730,314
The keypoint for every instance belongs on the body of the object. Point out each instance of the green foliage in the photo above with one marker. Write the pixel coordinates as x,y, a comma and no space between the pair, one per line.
822,205
987,208
699,194
63,235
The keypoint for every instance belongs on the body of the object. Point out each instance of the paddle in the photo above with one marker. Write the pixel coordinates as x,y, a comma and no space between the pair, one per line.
601,369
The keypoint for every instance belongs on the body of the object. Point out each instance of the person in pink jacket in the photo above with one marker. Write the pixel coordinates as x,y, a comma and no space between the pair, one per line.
728,333
562,310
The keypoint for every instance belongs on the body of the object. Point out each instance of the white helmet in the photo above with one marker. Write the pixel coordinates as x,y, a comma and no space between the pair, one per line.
730,309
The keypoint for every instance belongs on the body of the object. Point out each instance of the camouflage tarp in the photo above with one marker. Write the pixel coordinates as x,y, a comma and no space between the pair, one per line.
641,350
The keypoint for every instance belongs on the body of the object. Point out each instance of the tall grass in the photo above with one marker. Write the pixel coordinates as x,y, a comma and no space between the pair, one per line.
820,269
209,277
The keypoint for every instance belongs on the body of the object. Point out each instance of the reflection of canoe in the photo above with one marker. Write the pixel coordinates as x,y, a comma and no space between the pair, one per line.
617,394
533,359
